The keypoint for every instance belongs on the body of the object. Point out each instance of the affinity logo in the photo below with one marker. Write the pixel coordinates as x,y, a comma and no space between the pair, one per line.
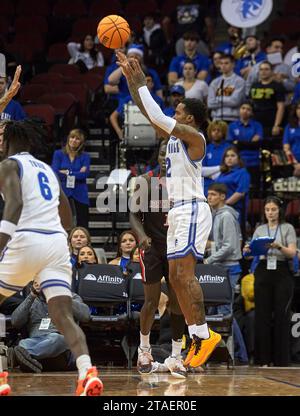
208,278
90,277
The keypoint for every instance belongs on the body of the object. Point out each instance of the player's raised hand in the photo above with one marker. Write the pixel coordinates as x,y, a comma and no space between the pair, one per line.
15,85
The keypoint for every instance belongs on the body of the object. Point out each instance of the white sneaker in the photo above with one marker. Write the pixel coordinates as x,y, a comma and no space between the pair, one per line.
145,361
176,367
159,367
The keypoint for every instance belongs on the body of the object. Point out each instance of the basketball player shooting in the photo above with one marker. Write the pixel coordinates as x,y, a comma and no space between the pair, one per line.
190,218
33,241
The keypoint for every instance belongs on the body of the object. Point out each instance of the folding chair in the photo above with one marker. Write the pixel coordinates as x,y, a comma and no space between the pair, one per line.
104,286
217,291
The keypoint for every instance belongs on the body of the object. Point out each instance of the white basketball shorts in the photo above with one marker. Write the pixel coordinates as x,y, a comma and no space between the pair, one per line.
189,227
34,255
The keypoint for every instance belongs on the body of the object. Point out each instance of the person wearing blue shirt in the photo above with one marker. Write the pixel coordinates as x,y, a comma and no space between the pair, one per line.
119,112
72,166
13,110
235,176
201,62
253,56
291,139
177,94
247,134
216,133
116,78
296,96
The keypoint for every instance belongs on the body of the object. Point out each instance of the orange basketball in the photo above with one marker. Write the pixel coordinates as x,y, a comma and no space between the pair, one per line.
113,31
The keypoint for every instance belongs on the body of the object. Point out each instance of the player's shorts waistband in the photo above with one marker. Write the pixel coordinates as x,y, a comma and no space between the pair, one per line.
189,201
34,230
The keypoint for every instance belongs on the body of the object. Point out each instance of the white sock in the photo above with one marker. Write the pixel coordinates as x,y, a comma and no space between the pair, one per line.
192,330
145,341
83,363
176,348
202,331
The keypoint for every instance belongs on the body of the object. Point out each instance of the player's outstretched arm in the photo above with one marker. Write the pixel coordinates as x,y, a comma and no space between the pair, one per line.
10,186
12,91
65,211
137,85
126,66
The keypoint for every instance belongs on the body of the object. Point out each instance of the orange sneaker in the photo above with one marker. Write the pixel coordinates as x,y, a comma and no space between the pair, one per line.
4,387
204,349
194,344
91,385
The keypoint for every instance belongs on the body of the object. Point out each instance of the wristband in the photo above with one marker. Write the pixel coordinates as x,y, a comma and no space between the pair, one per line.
7,227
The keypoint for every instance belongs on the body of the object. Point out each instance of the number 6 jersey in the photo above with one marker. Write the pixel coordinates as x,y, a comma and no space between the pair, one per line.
40,194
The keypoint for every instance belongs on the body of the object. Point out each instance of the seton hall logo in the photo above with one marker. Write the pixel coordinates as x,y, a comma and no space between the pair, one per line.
250,9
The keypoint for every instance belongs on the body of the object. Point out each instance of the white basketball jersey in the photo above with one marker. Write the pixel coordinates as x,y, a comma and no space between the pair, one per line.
40,193
184,176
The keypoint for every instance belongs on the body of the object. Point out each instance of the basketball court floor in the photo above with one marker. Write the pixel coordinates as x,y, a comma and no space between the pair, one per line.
215,381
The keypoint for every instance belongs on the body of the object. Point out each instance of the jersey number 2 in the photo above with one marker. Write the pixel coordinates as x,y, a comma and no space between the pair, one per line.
44,187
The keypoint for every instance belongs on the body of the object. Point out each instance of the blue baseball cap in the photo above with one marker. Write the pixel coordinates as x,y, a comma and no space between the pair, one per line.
177,89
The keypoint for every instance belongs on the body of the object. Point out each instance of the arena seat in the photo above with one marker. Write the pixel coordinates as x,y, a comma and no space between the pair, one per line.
30,92
7,8
58,54
140,8
65,108
27,23
51,78
101,9
84,26
80,92
43,111
104,286
66,70
67,9
33,8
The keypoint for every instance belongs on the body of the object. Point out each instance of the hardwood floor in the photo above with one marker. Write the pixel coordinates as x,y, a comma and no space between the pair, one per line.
217,381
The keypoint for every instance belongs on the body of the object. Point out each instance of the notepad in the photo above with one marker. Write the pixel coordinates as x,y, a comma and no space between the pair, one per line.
260,246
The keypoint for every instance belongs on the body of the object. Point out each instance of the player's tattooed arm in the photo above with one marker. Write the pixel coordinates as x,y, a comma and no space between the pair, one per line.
10,186
12,91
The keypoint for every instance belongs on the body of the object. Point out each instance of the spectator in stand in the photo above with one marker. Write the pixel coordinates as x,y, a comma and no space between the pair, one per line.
154,41
127,242
116,78
234,40
253,55
177,94
237,179
112,90
87,254
201,62
194,88
72,165
225,251
78,237
45,348
273,288
281,72
214,70
118,114
246,134
268,98
84,54
226,93
215,149
13,110
190,16
291,138
296,96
